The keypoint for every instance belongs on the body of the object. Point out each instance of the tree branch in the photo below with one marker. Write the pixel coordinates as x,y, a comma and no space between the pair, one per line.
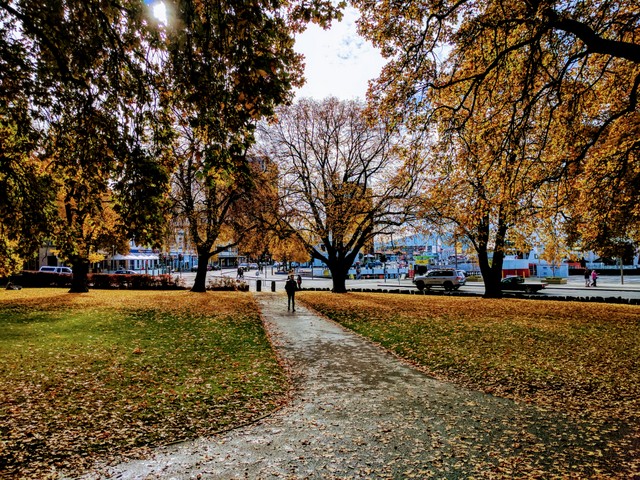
594,42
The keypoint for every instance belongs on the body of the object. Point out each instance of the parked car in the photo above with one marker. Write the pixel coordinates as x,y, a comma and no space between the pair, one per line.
253,266
194,268
125,272
63,270
518,284
447,279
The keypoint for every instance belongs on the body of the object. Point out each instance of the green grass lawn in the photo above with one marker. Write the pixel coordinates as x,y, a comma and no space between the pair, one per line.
109,372
580,358
572,357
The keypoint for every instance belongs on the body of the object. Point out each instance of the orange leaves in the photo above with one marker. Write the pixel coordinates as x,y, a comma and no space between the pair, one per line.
530,117
105,374
568,355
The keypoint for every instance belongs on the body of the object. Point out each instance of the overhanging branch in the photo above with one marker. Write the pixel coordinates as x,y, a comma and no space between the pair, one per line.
594,42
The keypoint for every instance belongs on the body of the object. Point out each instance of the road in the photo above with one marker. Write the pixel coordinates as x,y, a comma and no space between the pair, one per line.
608,286
579,290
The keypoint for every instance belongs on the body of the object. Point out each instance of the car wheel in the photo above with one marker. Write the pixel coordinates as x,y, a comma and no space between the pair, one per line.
448,286
420,285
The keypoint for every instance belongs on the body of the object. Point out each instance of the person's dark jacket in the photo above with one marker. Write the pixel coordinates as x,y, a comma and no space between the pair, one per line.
290,287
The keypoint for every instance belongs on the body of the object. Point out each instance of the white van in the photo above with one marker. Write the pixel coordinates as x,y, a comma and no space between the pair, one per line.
64,270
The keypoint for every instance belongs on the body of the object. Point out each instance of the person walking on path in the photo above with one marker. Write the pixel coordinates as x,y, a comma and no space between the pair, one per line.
299,281
594,277
587,277
290,287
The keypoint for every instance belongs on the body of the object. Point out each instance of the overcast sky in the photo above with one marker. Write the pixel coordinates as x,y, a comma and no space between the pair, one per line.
338,61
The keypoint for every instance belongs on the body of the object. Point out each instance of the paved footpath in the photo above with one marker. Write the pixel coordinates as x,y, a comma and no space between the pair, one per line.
358,412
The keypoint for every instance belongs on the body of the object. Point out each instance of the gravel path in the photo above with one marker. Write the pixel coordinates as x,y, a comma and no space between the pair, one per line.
358,412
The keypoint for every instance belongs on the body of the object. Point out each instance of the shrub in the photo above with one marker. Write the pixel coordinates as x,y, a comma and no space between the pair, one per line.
227,283
34,279
134,282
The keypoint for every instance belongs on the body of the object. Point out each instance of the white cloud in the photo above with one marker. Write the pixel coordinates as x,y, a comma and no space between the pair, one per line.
338,61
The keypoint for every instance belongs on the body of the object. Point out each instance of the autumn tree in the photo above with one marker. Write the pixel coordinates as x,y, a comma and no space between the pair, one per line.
102,179
343,180
261,209
26,201
26,196
230,63
552,241
604,213
280,244
217,206
561,79
485,176
83,123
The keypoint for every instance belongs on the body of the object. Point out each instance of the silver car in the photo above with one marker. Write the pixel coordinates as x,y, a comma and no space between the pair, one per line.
445,278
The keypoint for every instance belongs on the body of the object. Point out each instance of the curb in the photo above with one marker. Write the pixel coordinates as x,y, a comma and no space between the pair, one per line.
523,296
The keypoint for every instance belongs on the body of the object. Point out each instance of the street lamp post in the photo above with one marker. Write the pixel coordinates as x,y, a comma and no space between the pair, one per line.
455,250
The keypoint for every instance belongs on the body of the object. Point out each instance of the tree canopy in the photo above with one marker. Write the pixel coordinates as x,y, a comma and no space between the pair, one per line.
230,64
77,104
537,101
90,89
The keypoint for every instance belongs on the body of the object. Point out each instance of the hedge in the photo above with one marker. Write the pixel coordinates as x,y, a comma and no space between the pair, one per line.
31,279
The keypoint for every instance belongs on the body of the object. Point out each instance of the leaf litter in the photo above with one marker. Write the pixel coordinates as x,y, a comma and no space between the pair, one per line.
112,373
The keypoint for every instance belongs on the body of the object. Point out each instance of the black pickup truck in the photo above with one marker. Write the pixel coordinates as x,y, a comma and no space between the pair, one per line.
517,283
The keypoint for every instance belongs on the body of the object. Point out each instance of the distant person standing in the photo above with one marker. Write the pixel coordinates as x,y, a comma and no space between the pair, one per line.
291,287
587,277
594,278
299,281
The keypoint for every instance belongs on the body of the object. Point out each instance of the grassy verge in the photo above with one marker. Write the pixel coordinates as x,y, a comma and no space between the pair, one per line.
581,358
107,373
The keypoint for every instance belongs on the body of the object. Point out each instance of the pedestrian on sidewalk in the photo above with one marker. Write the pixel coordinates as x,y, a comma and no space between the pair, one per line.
290,287
594,277
587,277
299,281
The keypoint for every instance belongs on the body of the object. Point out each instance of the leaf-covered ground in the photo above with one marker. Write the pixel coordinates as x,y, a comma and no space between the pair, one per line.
577,357
112,372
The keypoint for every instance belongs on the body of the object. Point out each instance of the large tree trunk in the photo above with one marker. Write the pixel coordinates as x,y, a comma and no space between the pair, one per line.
199,284
80,280
339,277
491,274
